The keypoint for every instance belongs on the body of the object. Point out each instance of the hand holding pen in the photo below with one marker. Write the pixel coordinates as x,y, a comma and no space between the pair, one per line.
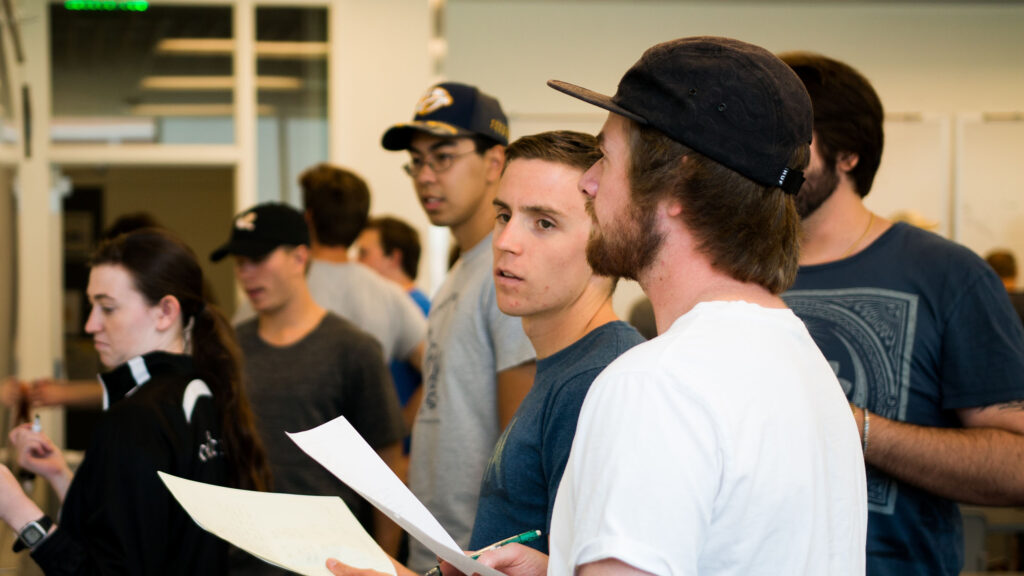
523,538
25,475
512,567
38,454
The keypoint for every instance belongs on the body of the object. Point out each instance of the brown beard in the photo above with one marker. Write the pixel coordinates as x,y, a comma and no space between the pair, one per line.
818,187
626,250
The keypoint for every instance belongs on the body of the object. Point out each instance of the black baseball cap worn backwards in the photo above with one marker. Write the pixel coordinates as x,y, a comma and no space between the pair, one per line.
450,110
733,102
262,228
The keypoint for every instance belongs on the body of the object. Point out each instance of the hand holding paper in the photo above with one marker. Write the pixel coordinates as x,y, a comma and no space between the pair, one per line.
338,447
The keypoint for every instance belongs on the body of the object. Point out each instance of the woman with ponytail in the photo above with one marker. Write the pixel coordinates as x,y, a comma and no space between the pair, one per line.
175,403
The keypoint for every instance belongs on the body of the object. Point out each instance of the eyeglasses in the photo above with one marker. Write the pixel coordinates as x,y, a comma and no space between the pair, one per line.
438,162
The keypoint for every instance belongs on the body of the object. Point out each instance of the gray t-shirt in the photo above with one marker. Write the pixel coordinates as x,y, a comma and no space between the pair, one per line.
363,297
468,343
335,370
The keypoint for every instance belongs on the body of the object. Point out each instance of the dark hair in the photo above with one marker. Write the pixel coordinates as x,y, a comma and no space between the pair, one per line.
483,143
162,265
338,202
1003,262
749,231
848,114
574,149
130,223
395,234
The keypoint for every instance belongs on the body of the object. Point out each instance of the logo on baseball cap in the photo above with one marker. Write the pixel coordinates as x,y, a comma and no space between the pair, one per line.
449,110
733,102
262,228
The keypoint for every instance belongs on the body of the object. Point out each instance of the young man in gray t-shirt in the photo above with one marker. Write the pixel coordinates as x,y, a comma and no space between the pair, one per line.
304,365
479,364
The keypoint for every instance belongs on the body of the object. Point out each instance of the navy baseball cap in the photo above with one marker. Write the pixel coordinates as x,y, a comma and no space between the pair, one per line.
450,110
262,228
733,102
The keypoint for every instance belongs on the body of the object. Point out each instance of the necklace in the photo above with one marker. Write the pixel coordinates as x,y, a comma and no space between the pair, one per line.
849,250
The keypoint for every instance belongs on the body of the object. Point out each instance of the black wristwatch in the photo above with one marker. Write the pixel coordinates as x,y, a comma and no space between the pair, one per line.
32,533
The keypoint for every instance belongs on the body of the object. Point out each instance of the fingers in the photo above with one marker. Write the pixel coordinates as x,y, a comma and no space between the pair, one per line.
449,570
47,392
516,560
11,391
340,569
337,568
28,443
17,432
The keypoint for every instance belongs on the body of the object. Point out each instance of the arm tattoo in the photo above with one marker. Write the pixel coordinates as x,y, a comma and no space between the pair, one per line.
1011,405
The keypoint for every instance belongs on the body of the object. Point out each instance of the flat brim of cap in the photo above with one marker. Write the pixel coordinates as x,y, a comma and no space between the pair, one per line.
398,136
250,250
591,97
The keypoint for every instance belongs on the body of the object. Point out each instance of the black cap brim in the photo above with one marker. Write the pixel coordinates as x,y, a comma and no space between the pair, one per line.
250,250
591,97
399,136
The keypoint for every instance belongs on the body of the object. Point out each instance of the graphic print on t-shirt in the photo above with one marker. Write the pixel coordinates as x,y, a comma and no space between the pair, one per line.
494,477
441,319
867,335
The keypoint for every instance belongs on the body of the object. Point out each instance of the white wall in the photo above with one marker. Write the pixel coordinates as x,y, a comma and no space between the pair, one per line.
920,57
946,62
378,86
7,284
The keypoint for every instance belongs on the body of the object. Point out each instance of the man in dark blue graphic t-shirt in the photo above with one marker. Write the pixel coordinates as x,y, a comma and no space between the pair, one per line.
920,334
542,276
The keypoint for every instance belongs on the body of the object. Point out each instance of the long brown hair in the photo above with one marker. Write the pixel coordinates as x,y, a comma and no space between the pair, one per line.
162,265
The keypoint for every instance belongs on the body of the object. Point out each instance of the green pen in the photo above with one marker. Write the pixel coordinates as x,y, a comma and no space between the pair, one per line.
523,538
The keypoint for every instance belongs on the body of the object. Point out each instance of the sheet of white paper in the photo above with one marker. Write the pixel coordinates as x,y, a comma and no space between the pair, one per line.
338,447
295,532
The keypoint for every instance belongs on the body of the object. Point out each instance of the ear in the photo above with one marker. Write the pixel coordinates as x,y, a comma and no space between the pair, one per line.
494,158
300,254
672,207
167,312
395,257
846,161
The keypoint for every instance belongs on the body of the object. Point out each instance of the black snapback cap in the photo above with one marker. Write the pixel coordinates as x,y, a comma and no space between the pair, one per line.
449,110
262,228
733,102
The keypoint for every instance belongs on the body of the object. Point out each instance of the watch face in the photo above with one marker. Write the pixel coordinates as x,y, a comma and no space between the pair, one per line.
32,534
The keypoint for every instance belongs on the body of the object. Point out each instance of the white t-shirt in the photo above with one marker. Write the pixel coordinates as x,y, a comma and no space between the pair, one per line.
724,446
374,304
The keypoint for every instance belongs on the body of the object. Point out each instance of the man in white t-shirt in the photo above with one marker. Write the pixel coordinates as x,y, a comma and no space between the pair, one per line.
725,445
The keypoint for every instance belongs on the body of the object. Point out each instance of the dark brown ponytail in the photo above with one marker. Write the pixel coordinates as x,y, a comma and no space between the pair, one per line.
162,265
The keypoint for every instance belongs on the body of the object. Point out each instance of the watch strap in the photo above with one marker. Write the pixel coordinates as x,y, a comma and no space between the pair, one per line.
44,523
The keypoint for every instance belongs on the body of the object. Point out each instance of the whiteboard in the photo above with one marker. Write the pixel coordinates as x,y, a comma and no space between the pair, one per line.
915,174
990,183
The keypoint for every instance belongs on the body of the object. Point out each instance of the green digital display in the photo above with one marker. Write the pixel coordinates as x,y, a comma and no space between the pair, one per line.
107,5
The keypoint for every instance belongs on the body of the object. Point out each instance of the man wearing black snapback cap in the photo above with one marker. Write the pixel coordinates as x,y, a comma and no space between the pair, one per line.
724,445
305,366
478,364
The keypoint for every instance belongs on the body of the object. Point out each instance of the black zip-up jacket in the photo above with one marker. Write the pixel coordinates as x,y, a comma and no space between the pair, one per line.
118,517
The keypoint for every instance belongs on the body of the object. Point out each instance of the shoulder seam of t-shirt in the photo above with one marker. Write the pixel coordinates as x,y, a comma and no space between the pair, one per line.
965,289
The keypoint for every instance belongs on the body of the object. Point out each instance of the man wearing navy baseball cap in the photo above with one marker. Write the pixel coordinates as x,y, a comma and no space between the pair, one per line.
479,363
724,445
